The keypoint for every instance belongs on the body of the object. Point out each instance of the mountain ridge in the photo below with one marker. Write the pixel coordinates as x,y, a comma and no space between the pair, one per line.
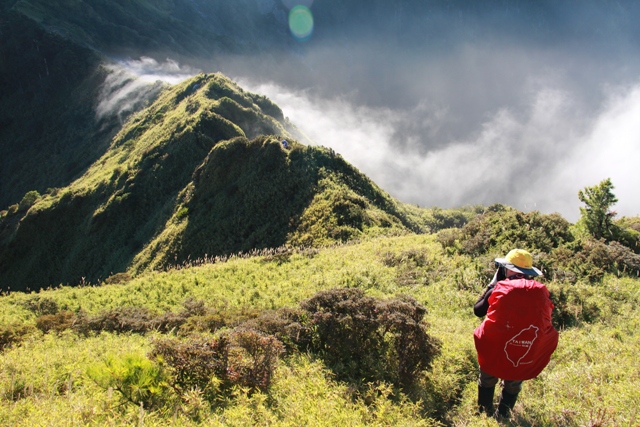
200,172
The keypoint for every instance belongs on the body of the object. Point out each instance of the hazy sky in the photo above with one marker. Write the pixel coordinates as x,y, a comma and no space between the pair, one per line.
448,103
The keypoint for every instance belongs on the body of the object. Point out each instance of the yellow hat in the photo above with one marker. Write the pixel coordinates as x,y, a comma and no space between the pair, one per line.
520,261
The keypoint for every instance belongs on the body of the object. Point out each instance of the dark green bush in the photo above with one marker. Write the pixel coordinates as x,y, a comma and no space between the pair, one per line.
121,319
571,306
591,259
448,238
138,319
449,218
194,363
501,229
628,232
414,349
363,339
252,358
290,325
208,320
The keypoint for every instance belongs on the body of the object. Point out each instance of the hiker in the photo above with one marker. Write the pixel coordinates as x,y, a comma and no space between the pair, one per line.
516,339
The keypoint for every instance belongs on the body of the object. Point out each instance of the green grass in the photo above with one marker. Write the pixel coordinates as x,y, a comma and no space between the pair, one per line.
593,377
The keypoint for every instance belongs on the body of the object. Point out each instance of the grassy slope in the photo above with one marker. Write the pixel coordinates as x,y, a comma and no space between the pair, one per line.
108,214
592,376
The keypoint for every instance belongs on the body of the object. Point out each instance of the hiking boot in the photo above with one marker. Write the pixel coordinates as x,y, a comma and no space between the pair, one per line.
506,404
485,400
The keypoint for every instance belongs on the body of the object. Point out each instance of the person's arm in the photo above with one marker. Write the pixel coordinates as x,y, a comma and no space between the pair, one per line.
482,305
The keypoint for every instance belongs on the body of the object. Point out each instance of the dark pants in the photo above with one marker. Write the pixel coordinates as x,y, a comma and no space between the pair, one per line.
511,387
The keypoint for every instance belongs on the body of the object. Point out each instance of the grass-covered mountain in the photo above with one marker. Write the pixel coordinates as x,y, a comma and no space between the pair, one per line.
200,172
55,58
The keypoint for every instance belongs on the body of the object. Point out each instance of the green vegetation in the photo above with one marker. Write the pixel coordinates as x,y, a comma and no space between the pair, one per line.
597,217
223,279
154,339
183,180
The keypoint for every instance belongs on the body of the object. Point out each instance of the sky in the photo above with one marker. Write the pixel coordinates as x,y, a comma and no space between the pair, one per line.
453,103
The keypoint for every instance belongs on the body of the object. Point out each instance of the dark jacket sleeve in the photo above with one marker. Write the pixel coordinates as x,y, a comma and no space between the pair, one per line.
482,305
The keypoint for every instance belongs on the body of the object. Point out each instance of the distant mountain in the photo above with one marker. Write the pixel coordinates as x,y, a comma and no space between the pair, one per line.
203,171
56,56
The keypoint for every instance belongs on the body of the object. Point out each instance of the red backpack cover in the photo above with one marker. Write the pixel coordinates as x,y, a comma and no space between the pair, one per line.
516,339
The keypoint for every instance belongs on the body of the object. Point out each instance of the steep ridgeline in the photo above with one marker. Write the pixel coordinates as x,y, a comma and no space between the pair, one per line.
54,60
202,171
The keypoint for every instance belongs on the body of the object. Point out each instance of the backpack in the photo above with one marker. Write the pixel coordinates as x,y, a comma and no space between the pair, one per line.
516,339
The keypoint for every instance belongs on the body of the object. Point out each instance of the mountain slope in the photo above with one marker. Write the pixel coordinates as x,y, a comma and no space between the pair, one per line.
55,58
48,129
168,189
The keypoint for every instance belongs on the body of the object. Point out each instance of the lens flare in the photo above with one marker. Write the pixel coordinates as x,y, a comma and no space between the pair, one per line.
301,22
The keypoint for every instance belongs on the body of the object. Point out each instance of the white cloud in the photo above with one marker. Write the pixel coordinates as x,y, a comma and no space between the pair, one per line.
611,150
149,70
131,83
532,160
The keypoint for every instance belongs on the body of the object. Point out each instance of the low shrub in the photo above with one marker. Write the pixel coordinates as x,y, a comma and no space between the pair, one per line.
572,306
41,305
120,319
240,357
198,363
252,358
363,339
290,325
448,218
12,334
591,259
137,379
55,322
501,229
210,320
138,319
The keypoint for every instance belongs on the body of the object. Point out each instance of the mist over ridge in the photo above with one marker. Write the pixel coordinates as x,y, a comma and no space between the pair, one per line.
470,103
441,102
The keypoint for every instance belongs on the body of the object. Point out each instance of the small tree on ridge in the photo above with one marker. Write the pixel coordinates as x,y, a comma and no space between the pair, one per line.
596,215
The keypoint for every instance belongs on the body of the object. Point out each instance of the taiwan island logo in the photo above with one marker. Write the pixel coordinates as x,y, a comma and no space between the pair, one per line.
519,346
